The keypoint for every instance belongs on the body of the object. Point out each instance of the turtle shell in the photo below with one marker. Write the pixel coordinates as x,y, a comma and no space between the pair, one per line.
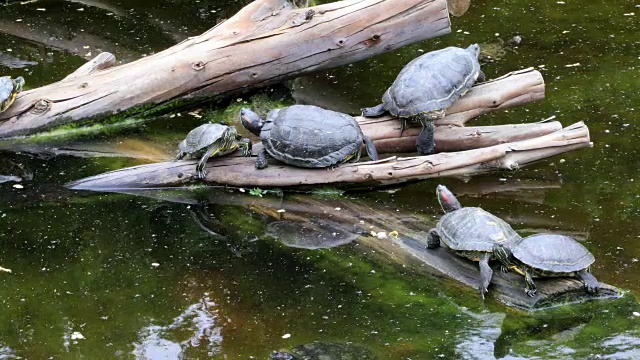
202,136
309,136
433,81
553,253
6,87
474,229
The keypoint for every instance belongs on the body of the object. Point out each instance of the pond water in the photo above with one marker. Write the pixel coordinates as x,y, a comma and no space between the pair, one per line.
164,276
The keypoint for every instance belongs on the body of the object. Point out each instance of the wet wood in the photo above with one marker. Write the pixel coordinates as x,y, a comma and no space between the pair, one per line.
265,42
240,171
407,249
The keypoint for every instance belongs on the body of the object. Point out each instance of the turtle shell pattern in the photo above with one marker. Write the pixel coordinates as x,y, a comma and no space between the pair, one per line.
6,87
309,136
432,81
472,229
201,137
552,254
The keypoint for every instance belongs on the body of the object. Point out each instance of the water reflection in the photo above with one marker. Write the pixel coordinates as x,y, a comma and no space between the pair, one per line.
173,341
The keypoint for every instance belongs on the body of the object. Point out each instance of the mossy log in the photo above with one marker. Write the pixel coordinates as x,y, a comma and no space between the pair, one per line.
265,42
352,219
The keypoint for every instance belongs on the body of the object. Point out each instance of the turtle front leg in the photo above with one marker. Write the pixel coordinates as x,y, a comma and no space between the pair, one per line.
530,289
262,161
200,172
485,273
433,239
181,154
590,282
245,146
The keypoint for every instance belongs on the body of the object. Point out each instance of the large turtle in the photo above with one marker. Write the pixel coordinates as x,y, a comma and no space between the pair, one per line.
9,89
307,136
470,232
548,255
210,140
428,85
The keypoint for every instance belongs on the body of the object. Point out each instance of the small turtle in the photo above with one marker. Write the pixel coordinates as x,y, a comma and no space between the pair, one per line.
548,255
495,51
9,89
210,140
427,86
470,232
307,136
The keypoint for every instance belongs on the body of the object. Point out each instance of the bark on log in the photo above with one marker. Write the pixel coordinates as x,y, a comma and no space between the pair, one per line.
240,171
337,217
265,42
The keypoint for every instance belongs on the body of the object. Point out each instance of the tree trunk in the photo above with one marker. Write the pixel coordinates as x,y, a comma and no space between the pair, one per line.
265,42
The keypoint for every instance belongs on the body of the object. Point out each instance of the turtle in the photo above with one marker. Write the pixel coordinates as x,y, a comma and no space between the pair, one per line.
307,136
427,86
210,140
9,89
548,255
470,232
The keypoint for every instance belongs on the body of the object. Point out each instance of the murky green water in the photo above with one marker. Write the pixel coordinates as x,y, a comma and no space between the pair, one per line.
114,275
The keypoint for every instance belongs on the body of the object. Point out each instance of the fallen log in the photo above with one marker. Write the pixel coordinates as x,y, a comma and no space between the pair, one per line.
265,42
240,171
350,219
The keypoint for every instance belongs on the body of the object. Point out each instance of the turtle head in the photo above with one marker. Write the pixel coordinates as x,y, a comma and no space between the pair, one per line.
503,254
251,121
447,200
19,83
474,49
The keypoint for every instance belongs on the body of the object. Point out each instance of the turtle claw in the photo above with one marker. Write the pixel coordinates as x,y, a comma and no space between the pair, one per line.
504,269
201,174
530,292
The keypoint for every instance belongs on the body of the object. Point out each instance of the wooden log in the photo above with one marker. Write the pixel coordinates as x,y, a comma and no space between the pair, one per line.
265,42
240,171
407,249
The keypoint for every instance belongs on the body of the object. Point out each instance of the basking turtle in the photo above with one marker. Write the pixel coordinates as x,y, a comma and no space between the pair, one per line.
548,255
307,136
470,232
9,89
427,86
210,140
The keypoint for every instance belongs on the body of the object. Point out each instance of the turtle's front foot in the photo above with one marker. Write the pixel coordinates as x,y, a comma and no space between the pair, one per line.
530,292
201,174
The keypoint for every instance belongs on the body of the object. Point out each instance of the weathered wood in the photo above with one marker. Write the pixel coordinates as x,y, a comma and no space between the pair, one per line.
407,249
102,61
265,42
240,171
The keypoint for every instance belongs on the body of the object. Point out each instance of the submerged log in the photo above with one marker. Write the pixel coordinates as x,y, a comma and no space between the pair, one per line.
265,42
240,171
337,217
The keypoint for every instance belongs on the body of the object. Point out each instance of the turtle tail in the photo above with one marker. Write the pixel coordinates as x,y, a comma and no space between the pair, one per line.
371,148
374,111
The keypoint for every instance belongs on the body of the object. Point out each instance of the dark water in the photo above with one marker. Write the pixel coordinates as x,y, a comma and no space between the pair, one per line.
114,275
